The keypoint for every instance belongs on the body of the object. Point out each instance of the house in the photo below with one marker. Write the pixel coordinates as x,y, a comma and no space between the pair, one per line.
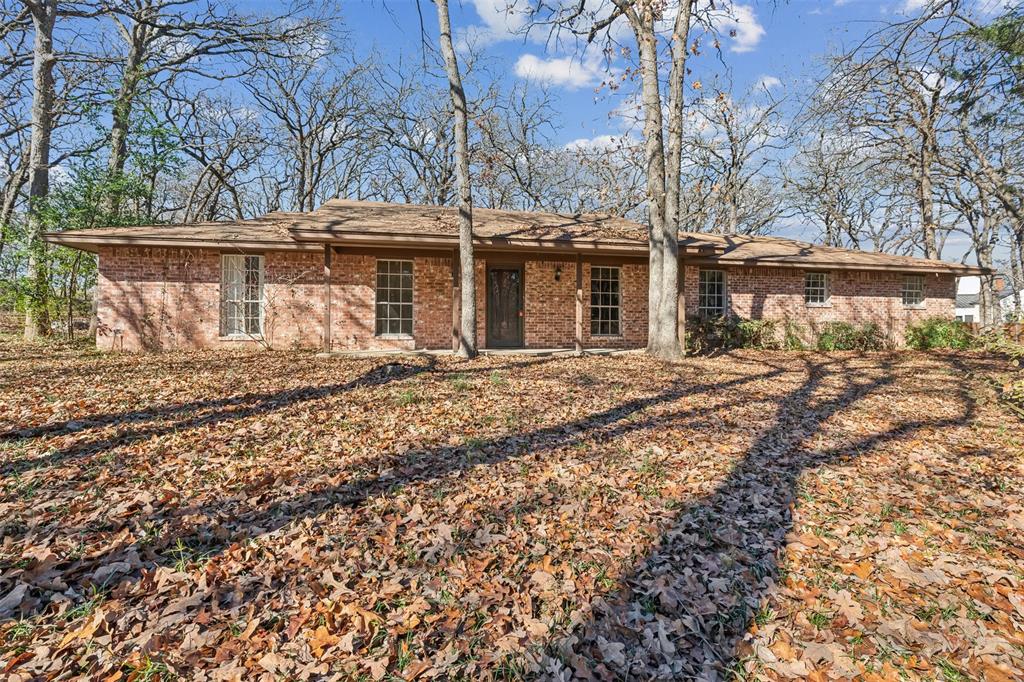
968,298
367,275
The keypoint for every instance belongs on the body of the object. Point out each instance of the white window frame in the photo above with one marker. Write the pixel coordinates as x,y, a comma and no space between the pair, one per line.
614,322
825,289
917,289
704,310
377,319
235,296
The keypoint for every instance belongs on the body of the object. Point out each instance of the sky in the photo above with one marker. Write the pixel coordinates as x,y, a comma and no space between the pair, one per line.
776,44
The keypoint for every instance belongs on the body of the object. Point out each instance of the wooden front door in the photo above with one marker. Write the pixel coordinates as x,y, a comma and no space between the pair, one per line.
505,307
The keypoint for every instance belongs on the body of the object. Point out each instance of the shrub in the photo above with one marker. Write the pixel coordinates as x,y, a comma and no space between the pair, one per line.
793,336
710,333
726,333
758,334
845,336
939,332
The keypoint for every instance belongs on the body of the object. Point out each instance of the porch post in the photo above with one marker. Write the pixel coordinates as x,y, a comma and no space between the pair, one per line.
456,302
681,307
327,298
579,304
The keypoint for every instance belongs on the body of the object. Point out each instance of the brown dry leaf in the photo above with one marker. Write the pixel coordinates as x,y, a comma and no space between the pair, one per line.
595,516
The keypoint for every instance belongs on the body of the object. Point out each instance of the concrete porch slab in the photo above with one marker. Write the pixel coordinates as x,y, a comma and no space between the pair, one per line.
534,352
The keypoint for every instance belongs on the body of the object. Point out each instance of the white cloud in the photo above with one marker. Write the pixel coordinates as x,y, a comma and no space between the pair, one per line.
568,72
910,6
600,142
740,22
767,83
501,20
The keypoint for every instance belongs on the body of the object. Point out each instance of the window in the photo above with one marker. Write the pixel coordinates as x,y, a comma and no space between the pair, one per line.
241,295
605,302
394,297
816,288
965,318
913,290
711,293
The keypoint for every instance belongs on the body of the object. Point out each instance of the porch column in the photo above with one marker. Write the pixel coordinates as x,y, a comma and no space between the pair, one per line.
456,302
327,298
579,304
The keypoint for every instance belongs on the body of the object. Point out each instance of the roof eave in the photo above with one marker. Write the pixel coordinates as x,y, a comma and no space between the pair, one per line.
93,243
445,241
946,268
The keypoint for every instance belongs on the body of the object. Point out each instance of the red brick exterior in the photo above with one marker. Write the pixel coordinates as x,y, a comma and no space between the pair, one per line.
153,298
857,296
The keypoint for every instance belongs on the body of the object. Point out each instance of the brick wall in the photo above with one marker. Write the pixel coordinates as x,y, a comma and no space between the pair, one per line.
856,296
153,299
165,298
353,309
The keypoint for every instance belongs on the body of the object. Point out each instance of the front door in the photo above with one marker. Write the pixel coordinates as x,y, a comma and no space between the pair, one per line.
504,307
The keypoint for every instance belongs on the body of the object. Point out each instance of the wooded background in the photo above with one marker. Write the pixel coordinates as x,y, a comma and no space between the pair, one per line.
152,111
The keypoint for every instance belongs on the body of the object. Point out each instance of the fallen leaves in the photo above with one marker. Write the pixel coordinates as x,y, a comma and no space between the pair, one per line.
239,515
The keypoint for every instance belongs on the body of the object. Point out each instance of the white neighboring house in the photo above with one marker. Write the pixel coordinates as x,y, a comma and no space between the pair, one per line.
967,298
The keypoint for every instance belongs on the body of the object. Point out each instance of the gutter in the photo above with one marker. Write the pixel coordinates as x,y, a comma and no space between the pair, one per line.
315,240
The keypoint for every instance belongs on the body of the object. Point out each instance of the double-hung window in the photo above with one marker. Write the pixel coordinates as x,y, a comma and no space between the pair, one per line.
394,298
711,293
605,302
913,291
241,295
816,289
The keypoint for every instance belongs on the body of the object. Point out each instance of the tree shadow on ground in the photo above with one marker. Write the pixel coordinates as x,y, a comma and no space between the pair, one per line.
175,417
686,608
701,584
198,526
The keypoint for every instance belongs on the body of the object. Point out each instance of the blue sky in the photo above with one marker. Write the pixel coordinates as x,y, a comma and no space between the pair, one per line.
779,43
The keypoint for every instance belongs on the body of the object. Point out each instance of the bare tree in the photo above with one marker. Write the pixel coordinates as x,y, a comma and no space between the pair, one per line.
44,14
467,331
168,39
895,101
647,20
318,124
729,145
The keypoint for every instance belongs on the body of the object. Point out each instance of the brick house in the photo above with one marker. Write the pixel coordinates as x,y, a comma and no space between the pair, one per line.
364,275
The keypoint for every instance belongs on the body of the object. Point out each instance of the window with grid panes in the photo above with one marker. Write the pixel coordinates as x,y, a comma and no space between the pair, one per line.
913,290
241,295
711,293
394,297
816,288
605,302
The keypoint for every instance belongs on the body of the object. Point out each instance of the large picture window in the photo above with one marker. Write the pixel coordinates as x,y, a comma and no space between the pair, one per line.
816,288
605,302
241,295
913,291
394,297
711,293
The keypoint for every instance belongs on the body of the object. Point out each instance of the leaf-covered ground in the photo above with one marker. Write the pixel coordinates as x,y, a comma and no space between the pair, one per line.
768,516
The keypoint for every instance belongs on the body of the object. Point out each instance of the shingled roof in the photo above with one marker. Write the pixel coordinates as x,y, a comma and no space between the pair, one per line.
344,221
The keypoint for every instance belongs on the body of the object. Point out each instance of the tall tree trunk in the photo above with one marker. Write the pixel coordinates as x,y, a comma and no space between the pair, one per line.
12,189
988,302
925,201
669,343
467,332
72,280
122,110
654,152
43,15
1017,269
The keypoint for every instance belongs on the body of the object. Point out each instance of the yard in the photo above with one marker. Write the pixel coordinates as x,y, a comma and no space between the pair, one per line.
755,515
